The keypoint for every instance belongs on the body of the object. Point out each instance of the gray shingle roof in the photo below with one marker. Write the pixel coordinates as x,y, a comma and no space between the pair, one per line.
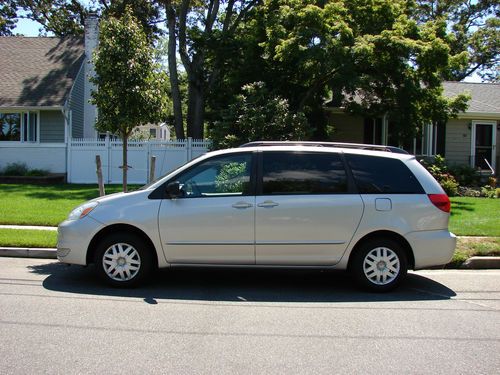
485,97
38,71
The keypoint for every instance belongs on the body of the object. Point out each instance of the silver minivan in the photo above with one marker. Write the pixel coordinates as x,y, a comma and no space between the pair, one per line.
372,210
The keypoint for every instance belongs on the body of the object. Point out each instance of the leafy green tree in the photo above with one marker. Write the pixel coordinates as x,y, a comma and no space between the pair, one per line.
8,17
257,115
368,56
67,17
61,17
130,89
472,34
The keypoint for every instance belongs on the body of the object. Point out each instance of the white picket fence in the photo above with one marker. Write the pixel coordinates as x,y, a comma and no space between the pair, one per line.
169,155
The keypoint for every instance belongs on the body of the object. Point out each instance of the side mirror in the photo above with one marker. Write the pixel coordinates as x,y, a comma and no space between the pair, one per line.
174,189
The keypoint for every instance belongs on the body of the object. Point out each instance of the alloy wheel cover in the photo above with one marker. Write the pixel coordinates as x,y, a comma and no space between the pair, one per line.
121,262
381,266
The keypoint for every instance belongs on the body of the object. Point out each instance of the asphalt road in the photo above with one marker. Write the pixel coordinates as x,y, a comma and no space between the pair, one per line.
59,319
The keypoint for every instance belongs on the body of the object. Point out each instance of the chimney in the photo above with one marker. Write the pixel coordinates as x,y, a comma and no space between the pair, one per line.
91,29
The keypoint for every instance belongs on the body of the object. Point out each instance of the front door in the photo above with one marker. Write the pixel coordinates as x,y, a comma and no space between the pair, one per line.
483,145
305,215
213,222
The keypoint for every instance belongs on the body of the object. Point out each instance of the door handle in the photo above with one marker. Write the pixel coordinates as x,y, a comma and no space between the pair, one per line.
242,205
268,204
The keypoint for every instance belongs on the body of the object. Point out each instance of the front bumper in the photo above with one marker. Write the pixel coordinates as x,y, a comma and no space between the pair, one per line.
432,248
73,239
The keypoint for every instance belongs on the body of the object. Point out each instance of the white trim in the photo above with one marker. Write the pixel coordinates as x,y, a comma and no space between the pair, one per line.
385,129
479,116
430,140
31,108
31,144
493,141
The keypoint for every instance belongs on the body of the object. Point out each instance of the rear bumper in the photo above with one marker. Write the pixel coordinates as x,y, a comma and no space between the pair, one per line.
432,248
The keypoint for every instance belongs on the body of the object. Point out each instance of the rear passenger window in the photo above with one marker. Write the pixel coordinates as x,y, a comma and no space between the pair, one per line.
303,173
374,175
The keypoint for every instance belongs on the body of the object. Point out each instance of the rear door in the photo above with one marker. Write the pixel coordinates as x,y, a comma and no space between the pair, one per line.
305,214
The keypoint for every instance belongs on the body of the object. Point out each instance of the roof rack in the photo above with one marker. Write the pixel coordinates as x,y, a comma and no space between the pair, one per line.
359,146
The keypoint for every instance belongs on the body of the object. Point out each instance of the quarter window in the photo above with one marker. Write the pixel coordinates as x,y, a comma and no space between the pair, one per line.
303,173
219,176
375,175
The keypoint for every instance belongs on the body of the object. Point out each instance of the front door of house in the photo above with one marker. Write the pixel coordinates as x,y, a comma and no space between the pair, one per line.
483,145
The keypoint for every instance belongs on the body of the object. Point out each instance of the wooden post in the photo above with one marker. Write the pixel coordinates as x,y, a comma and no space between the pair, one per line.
152,166
99,175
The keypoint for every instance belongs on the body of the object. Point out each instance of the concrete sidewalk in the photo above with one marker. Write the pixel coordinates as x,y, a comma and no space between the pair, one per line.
25,252
34,227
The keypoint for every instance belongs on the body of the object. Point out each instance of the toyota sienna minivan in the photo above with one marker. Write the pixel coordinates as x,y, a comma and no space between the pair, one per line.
371,210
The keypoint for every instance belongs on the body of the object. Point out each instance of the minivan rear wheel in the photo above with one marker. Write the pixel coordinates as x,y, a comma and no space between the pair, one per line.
379,265
123,260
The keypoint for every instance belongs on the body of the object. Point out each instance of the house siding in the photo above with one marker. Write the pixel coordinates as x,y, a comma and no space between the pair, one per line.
347,128
76,105
458,138
51,127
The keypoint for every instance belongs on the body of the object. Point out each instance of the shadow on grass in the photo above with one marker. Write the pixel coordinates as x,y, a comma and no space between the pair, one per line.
61,191
239,285
458,207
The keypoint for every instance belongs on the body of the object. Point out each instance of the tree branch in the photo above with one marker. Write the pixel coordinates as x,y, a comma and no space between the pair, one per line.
242,14
314,87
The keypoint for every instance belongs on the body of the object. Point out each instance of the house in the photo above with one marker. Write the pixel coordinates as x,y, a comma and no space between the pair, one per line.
153,132
469,139
44,93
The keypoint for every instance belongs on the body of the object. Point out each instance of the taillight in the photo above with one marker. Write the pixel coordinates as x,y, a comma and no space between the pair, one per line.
441,201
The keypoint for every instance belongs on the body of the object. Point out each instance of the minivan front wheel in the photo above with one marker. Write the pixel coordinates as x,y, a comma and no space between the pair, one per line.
379,265
123,260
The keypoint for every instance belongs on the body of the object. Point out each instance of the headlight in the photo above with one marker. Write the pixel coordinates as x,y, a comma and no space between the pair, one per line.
82,211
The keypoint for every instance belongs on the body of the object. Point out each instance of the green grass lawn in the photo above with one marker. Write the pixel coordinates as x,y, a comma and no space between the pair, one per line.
27,238
49,205
475,216
44,205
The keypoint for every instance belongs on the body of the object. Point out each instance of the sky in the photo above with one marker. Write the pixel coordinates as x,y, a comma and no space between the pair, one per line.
27,27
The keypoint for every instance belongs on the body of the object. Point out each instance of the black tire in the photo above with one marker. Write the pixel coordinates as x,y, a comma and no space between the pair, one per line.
379,264
125,255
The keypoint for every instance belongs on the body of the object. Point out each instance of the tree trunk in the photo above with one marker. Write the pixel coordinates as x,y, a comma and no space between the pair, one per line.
196,110
173,74
125,162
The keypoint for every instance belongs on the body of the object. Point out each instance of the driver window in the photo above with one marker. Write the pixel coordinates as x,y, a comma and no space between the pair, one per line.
219,176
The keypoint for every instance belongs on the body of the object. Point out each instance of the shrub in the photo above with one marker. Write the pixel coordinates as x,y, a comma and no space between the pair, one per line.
37,172
469,192
465,175
257,115
449,184
439,171
15,169
21,169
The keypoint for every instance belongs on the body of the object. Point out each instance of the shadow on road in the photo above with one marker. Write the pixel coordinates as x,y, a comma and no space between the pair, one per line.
239,285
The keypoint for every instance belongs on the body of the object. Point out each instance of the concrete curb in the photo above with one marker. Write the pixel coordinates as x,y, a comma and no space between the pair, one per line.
480,263
24,252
